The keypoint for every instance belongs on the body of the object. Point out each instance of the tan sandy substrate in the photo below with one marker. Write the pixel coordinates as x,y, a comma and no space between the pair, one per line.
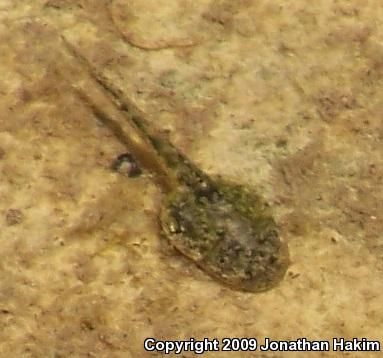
283,96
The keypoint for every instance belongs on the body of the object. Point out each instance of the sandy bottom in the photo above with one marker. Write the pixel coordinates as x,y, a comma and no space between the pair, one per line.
283,97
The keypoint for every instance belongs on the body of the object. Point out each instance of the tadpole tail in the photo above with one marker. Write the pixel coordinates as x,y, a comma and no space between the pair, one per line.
183,169
172,156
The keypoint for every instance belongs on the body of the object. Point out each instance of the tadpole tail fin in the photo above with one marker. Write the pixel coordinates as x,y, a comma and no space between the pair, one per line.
183,169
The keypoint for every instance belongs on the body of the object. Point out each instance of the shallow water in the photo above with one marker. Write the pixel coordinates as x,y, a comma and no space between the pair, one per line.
284,99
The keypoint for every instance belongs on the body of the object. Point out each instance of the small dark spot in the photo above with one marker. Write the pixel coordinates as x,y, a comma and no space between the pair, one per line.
13,217
205,190
293,274
88,325
37,156
249,274
222,260
125,164
281,143
220,232
273,259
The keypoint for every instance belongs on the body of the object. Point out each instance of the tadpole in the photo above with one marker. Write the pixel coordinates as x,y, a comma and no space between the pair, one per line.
223,227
